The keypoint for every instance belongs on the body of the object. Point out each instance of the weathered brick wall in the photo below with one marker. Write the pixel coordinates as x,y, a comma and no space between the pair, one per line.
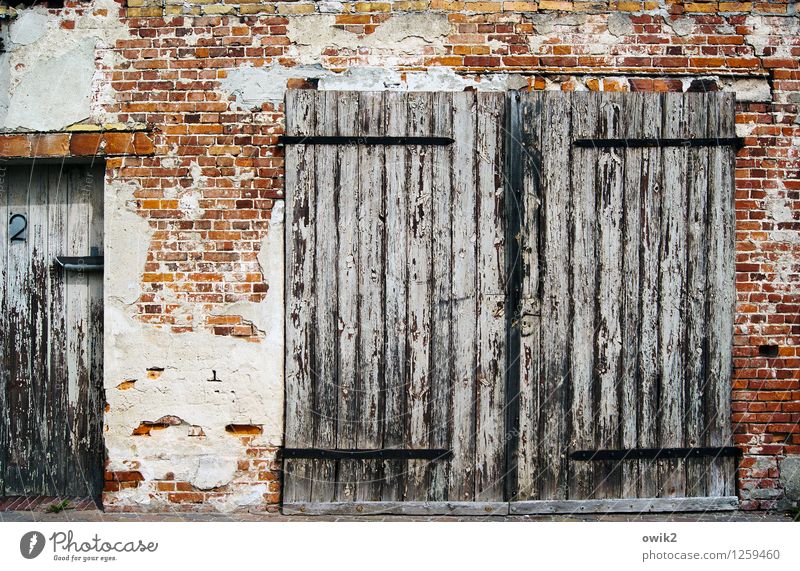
207,77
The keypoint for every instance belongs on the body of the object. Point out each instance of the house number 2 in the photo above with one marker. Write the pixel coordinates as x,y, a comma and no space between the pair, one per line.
17,225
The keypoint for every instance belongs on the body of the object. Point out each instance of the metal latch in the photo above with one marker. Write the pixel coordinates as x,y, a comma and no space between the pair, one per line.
91,263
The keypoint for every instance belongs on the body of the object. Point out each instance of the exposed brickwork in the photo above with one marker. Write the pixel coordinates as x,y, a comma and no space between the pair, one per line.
213,173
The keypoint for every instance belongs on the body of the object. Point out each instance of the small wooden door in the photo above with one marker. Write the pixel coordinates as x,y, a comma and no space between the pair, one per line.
51,318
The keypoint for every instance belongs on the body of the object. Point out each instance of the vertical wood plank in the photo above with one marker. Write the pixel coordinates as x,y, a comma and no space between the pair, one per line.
721,292
608,336
395,351
58,200
370,293
420,169
4,325
325,246
634,187
556,155
491,324
17,335
530,398
696,268
441,364
347,293
41,479
649,348
464,296
672,296
584,254
300,311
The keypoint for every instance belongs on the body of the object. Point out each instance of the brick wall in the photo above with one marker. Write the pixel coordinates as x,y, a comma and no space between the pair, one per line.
215,173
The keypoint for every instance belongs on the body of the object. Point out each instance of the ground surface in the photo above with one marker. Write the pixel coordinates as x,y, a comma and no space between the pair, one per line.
97,515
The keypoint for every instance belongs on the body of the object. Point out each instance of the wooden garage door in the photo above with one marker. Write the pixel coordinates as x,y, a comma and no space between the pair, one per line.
538,312
396,328
51,395
626,301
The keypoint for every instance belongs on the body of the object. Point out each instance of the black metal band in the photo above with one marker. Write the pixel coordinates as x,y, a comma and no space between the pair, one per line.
354,140
696,142
657,453
365,454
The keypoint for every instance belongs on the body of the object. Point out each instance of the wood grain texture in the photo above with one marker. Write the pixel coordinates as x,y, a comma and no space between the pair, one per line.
52,397
619,324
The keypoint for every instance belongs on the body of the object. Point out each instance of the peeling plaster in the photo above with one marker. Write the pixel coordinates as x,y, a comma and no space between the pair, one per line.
620,24
49,74
198,449
251,87
402,34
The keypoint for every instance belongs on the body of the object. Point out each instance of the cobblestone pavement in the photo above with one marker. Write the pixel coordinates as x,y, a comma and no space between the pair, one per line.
99,516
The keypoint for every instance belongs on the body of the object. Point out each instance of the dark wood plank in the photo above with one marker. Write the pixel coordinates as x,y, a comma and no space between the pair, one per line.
300,293
696,268
649,348
441,365
528,462
631,311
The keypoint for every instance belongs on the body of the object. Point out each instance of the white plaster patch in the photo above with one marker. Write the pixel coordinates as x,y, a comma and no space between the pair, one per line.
252,86
749,90
402,34
681,26
29,27
620,24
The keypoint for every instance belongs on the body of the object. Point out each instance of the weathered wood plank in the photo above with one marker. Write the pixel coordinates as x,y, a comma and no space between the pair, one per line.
528,463
370,293
608,335
652,191
464,297
491,326
672,296
58,195
630,505
301,329
4,325
399,508
420,169
395,350
584,240
18,349
696,268
94,182
556,129
721,293
634,188
41,479
325,373
347,293
442,311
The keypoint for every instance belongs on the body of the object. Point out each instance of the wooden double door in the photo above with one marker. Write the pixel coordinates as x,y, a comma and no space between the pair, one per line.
508,303
51,319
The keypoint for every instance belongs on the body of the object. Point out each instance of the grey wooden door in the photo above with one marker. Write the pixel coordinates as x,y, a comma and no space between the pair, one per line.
548,299
626,300
395,269
51,396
